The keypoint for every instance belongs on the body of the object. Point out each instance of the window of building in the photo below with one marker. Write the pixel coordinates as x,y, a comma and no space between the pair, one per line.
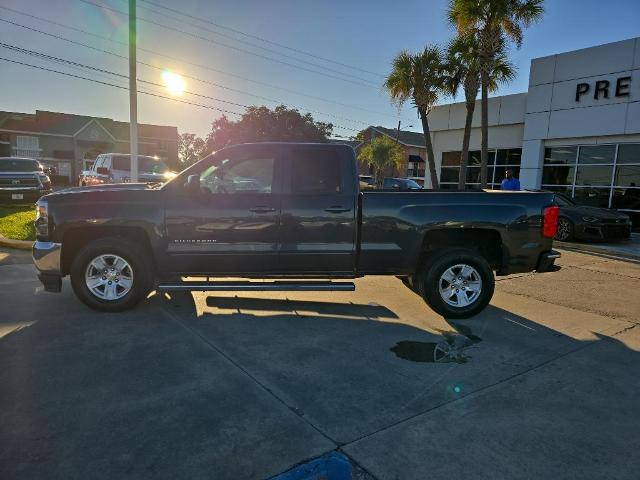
27,146
598,175
498,161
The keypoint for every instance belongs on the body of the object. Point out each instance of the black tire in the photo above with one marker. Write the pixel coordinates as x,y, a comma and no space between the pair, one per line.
435,268
564,233
138,260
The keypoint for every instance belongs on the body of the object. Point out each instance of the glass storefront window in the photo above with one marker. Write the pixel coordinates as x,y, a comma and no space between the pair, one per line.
449,174
626,198
597,154
451,159
558,175
560,155
627,176
596,175
629,153
509,157
594,197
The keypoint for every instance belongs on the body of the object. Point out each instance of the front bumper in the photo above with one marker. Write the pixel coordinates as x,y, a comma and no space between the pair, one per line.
603,231
546,260
46,257
29,195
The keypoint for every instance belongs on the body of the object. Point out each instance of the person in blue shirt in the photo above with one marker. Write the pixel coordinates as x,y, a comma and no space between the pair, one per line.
510,182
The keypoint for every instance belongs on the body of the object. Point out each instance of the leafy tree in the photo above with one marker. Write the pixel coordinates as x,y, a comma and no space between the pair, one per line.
463,67
420,78
492,22
261,124
191,148
381,153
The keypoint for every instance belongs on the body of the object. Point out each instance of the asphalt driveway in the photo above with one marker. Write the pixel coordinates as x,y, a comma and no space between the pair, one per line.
544,382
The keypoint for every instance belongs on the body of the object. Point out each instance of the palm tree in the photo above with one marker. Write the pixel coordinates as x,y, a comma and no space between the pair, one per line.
463,67
492,22
421,78
381,153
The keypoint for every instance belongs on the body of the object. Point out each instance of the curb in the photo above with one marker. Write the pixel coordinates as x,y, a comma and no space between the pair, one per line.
582,248
19,244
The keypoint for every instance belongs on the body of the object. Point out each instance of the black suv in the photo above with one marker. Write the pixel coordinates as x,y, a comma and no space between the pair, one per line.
22,180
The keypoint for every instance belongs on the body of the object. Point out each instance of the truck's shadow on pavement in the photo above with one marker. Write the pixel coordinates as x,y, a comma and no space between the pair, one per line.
246,387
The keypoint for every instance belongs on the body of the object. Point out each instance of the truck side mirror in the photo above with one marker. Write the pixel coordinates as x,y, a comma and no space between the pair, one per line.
193,184
102,170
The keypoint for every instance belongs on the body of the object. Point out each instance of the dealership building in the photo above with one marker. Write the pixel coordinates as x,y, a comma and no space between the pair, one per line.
576,130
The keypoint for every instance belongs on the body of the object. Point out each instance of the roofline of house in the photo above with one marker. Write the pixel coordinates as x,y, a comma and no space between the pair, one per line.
398,140
26,132
93,120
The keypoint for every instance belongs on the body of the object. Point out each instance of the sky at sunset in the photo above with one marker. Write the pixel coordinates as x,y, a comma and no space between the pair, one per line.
234,70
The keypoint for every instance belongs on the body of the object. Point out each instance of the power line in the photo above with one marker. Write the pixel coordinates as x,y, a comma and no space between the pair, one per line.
216,42
44,56
250,44
120,86
256,37
180,60
123,57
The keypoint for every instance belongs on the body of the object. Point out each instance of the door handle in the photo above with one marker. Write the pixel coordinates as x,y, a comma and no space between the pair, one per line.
262,209
337,209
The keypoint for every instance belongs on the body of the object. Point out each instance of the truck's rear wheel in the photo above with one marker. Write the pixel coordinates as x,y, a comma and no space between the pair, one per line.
111,274
457,283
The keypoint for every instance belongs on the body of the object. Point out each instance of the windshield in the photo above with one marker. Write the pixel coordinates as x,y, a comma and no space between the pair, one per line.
145,164
19,165
412,184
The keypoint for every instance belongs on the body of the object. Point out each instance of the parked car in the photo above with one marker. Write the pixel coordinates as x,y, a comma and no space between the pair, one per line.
581,222
22,180
301,215
116,168
367,182
401,184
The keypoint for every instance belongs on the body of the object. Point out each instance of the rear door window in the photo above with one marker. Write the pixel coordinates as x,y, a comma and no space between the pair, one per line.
315,171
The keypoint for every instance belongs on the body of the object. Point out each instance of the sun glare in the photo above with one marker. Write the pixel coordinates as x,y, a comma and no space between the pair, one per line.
173,82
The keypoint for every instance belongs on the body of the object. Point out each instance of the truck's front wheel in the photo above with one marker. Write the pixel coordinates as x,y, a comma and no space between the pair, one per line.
111,274
457,283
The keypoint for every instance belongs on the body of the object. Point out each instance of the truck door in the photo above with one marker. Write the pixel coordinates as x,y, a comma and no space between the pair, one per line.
232,225
318,223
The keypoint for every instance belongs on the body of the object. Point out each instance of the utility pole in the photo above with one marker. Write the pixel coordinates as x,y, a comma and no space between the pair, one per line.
133,93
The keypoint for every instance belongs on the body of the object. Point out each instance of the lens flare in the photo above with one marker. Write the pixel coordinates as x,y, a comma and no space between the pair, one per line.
173,82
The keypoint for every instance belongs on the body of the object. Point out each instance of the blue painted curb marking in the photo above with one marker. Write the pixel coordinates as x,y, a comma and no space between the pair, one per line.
333,466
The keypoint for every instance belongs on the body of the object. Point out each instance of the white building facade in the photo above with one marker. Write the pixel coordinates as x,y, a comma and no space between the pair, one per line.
576,130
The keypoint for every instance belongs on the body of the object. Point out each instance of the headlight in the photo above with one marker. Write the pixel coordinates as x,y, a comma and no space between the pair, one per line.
42,218
591,219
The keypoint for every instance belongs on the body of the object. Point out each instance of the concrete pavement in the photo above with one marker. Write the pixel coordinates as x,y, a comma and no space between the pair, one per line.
247,386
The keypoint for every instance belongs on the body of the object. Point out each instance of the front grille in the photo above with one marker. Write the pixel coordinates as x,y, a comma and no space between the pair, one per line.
19,181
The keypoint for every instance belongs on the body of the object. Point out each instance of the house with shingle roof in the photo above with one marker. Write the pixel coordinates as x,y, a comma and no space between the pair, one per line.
414,152
72,142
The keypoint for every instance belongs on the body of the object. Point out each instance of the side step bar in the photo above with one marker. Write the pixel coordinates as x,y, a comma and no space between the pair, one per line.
239,286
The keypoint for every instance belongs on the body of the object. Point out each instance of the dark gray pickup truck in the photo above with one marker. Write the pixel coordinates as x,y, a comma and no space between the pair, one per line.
284,212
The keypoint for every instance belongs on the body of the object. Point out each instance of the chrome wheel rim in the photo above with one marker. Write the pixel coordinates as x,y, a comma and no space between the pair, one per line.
109,277
460,285
562,232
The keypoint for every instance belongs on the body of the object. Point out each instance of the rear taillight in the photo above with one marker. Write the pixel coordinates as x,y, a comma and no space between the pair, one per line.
550,221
